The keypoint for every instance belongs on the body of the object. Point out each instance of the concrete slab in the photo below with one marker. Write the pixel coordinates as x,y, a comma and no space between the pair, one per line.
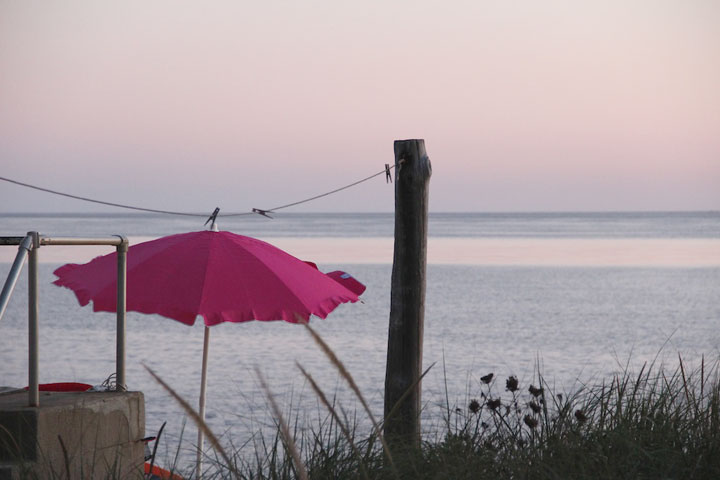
88,434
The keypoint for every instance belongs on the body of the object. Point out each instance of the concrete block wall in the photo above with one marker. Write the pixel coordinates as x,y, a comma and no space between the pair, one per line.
89,434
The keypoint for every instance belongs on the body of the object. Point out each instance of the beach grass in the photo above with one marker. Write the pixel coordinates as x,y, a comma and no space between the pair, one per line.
655,423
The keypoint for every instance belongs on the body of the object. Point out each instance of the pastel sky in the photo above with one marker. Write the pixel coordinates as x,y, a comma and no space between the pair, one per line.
524,105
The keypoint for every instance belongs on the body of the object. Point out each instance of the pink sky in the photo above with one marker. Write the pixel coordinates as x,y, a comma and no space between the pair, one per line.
523,105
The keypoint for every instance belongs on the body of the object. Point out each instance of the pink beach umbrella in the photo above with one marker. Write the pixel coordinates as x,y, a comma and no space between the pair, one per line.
220,276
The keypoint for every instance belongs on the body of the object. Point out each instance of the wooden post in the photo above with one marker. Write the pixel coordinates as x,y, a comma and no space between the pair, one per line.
407,296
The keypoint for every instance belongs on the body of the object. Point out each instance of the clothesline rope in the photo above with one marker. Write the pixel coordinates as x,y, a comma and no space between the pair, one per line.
253,211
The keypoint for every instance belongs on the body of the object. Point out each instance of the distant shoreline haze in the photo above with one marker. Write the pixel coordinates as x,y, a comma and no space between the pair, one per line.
687,239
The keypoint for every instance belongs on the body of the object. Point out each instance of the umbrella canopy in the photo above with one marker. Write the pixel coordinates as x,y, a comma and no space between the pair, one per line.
222,276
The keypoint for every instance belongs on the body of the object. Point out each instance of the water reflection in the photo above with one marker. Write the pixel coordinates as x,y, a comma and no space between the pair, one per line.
659,252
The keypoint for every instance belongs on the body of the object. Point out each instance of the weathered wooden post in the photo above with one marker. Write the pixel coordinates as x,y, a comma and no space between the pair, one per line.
407,297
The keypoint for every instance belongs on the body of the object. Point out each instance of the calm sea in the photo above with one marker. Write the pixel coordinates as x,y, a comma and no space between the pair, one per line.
579,296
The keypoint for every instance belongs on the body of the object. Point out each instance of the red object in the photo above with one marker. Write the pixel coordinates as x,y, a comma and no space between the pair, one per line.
159,473
344,279
347,281
63,387
221,276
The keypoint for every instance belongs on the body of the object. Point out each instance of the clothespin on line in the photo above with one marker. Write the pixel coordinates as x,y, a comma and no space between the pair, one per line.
264,213
213,217
388,176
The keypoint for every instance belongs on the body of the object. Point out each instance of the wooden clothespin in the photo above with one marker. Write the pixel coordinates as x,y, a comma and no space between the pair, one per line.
264,213
388,176
212,218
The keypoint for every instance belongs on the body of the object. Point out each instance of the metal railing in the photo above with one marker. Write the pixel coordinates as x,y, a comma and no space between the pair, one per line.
28,248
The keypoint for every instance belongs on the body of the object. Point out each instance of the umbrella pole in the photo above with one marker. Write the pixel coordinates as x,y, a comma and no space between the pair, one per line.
201,410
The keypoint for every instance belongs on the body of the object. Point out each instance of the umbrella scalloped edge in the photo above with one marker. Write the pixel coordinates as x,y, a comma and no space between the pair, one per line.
82,293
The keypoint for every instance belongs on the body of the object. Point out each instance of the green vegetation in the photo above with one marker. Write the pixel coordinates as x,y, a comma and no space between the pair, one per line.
654,424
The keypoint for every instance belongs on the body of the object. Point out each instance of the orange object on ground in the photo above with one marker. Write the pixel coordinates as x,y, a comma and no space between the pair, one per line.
157,473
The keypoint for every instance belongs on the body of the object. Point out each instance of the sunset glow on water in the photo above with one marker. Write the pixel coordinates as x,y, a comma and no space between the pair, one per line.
695,252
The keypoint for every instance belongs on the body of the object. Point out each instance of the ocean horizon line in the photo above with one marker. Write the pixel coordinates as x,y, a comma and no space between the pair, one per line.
320,213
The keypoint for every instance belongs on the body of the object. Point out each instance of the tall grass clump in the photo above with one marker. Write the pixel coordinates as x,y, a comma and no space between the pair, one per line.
649,425
653,424
656,423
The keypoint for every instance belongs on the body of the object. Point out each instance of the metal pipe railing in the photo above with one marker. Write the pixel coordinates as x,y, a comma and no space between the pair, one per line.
122,249
28,248
23,250
114,241
33,377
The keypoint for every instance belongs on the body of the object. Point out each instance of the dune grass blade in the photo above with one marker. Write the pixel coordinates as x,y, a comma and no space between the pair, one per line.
395,407
351,382
66,458
155,447
284,430
447,396
343,428
198,421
